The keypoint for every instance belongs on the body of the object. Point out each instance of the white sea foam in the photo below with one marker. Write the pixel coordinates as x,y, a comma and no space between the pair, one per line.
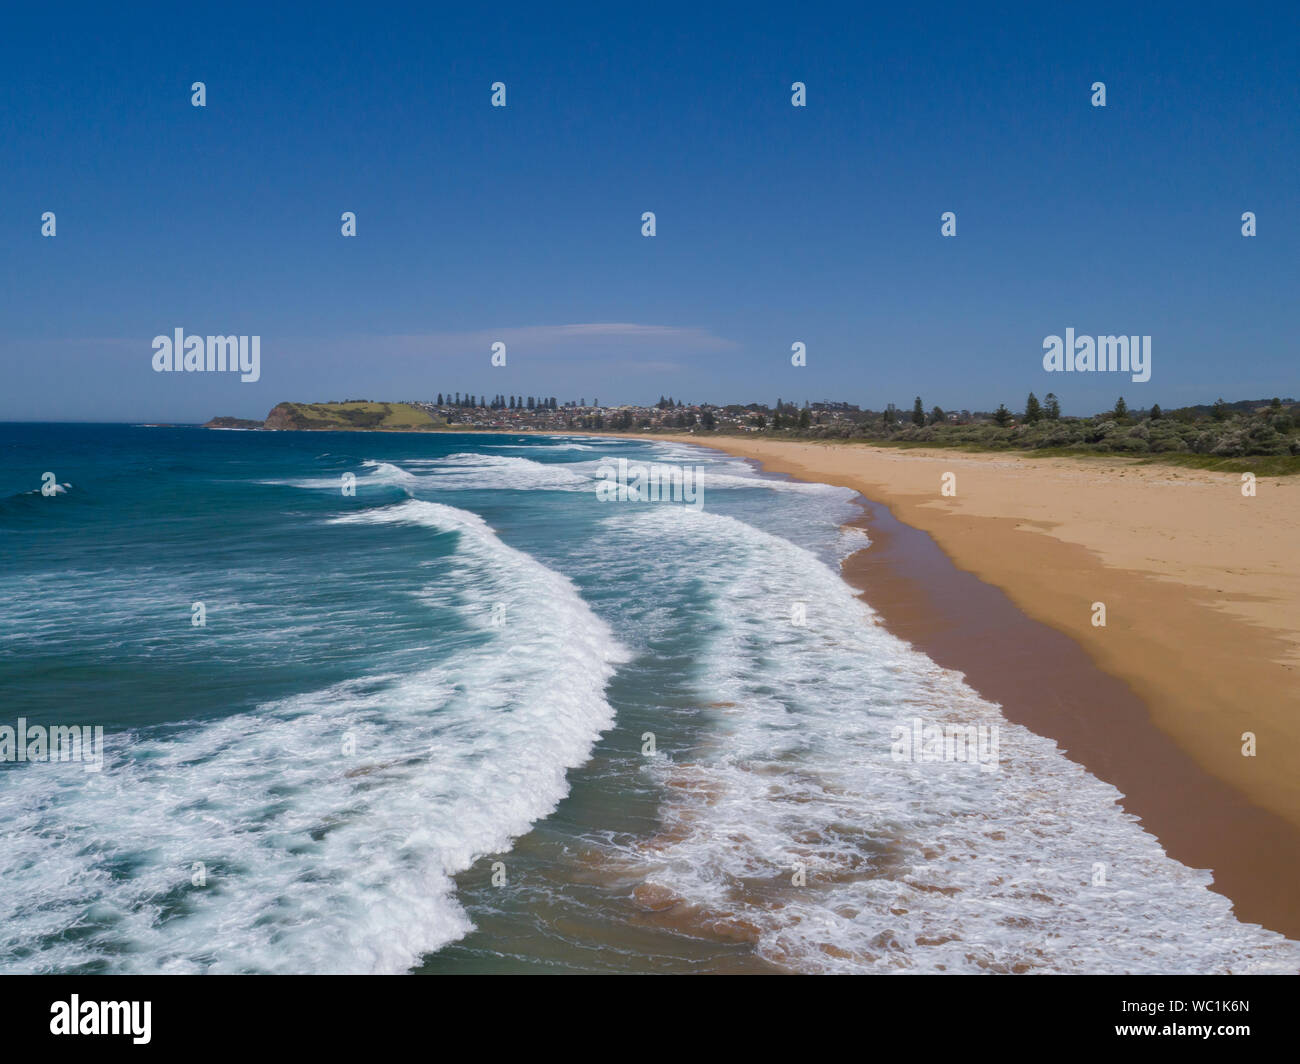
488,472
475,471
495,472
540,446
851,539
316,860
387,473
910,866
383,474
715,481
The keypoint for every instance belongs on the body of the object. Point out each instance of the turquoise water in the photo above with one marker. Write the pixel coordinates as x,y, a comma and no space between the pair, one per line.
412,732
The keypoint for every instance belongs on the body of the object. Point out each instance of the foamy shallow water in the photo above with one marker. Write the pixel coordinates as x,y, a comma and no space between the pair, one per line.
906,865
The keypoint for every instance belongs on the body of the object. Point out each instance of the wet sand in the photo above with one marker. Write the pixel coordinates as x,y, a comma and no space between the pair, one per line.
1201,641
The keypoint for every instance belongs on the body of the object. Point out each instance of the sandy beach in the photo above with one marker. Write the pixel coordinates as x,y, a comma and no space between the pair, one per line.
1201,587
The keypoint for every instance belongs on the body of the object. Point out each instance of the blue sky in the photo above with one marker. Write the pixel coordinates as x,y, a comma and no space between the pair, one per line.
776,224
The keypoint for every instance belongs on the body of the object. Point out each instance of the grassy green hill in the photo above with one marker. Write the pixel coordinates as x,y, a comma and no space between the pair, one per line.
357,414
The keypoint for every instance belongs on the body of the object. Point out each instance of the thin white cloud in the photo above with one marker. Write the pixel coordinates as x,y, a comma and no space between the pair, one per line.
584,338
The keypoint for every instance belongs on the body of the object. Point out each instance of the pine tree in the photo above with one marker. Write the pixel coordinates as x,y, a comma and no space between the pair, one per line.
1033,412
1002,415
1121,409
1156,412
1053,407
918,412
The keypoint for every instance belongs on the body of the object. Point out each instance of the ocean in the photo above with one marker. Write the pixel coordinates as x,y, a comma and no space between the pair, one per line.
470,716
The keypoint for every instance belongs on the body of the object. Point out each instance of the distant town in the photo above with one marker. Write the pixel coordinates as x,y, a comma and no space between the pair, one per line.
547,414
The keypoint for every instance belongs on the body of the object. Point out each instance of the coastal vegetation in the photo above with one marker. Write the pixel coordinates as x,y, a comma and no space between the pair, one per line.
1217,436
1257,435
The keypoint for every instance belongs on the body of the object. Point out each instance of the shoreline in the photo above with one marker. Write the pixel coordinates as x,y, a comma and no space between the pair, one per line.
1155,702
